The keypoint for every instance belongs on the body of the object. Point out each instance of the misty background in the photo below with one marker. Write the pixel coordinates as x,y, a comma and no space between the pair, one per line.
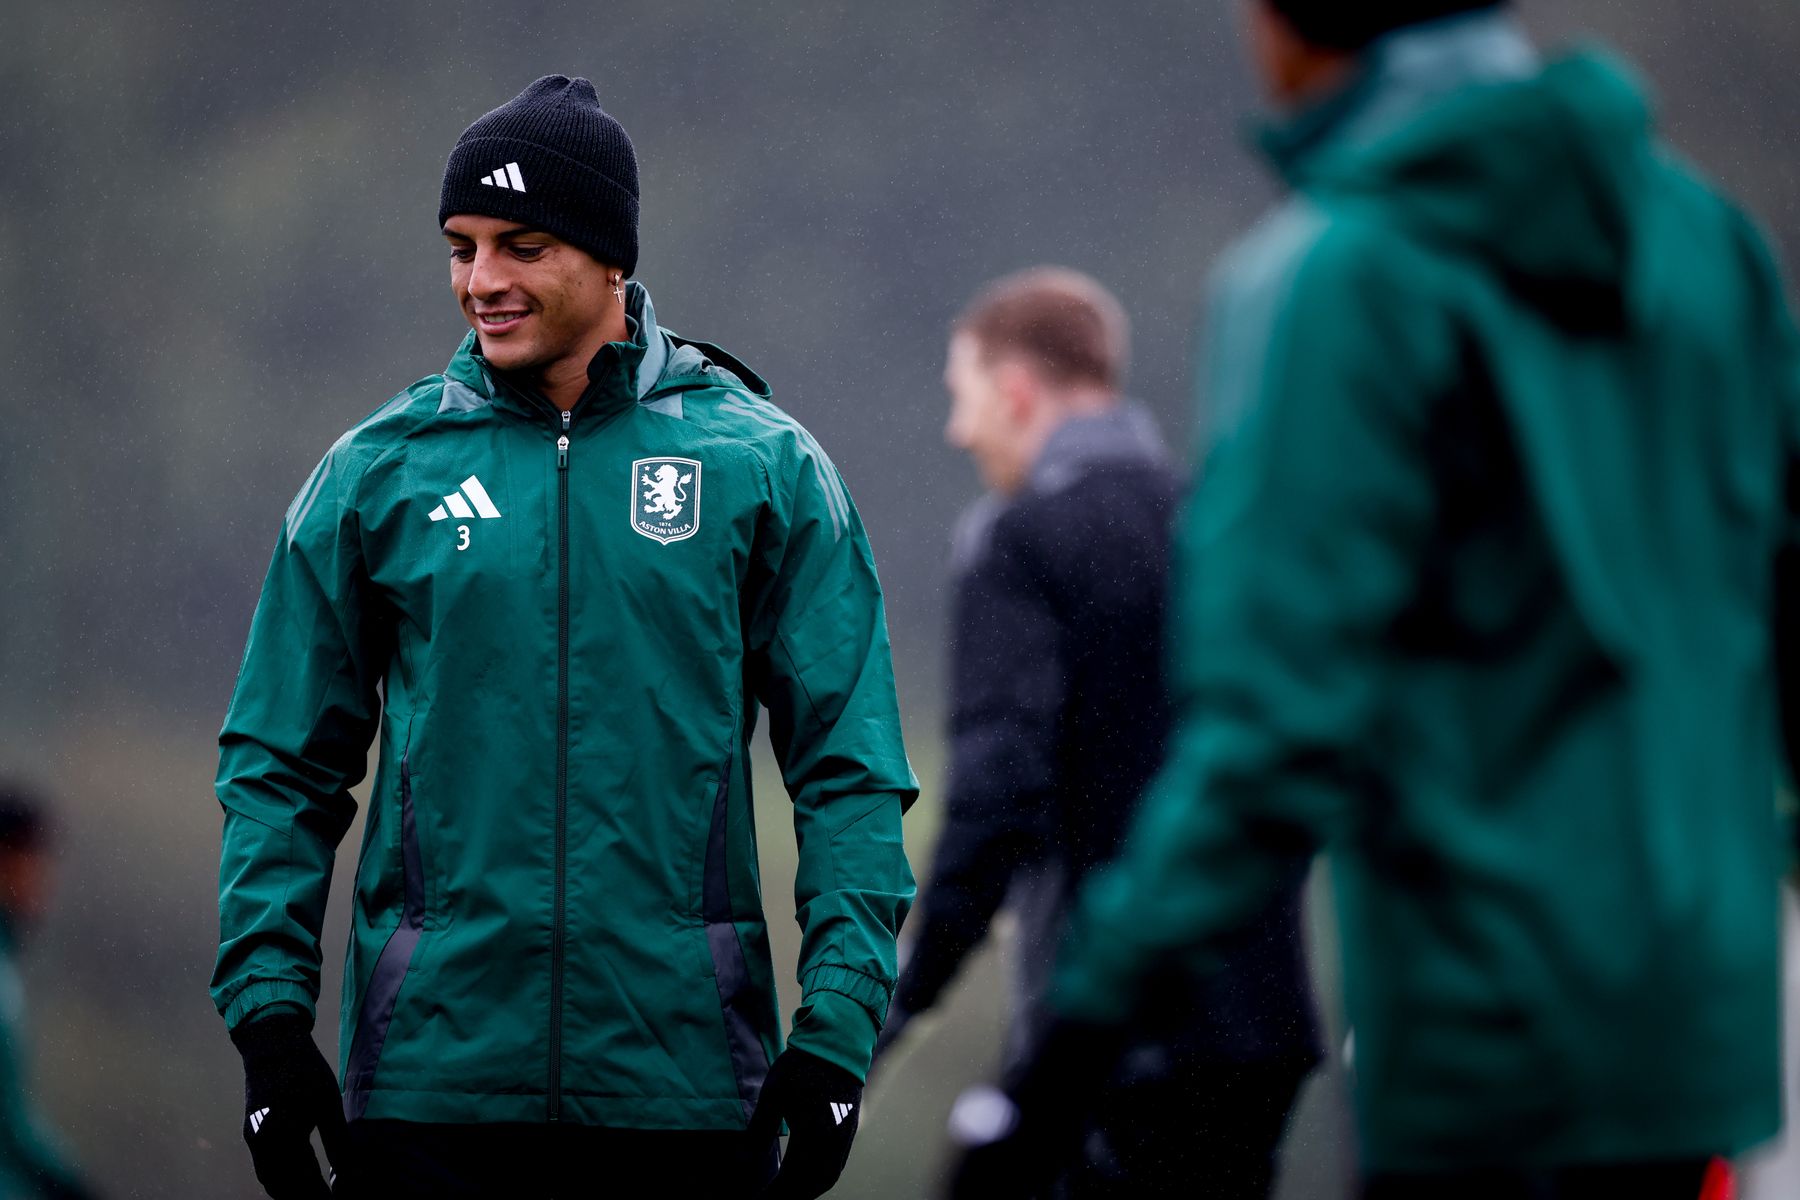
219,250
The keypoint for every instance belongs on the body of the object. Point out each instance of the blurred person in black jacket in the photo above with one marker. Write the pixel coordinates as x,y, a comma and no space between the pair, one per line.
1058,721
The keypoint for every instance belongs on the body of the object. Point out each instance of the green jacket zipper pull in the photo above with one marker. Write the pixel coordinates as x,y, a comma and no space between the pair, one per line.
562,444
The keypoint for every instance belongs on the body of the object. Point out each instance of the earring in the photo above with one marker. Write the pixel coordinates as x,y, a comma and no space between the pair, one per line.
619,287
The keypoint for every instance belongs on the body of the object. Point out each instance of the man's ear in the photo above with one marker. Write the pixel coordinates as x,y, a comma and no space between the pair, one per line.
1018,390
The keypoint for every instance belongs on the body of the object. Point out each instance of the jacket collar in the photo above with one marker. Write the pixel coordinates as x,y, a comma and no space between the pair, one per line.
1126,433
620,374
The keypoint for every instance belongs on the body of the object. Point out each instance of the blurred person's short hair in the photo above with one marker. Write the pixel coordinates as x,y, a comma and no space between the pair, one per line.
1060,322
24,817
1353,24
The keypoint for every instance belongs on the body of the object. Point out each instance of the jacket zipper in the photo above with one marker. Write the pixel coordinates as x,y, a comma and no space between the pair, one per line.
562,763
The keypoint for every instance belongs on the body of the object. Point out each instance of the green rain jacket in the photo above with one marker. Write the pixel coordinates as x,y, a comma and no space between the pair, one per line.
1475,591
562,628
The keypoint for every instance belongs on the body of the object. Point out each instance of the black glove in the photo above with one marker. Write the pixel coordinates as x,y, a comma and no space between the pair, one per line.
821,1103
1016,1143
289,1090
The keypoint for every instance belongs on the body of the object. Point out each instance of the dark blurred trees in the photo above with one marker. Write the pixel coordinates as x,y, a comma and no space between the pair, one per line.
219,249
219,223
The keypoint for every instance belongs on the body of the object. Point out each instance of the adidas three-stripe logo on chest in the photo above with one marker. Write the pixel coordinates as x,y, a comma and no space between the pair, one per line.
455,505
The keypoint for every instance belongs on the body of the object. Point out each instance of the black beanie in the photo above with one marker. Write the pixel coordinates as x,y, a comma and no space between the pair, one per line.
552,159
1353,24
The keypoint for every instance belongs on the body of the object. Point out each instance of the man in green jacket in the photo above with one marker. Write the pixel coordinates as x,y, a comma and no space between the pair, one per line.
1477,593
556,581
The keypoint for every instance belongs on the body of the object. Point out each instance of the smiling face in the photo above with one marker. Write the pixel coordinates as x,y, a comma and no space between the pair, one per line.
539,305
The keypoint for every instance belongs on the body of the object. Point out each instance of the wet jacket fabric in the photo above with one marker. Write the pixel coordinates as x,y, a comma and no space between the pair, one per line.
1059,719
1476,593
33,1163
560,630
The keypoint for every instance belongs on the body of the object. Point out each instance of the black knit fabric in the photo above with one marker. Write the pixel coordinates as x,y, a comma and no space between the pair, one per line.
551,158
1353,24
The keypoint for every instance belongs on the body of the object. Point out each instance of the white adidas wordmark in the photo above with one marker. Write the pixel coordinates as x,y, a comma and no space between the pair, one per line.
256,1120
455,506
507,177
840,1111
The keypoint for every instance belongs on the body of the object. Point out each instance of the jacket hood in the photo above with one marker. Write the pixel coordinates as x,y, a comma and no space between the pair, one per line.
655,362
672,363
1542,174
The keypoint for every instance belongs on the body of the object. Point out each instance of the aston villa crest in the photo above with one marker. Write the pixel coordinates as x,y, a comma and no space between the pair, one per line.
665,498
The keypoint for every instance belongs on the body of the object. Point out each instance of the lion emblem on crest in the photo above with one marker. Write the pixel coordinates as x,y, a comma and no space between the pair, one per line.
665,498
665,492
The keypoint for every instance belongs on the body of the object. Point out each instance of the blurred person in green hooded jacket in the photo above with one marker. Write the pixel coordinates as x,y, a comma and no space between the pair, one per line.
1478,593
33,1164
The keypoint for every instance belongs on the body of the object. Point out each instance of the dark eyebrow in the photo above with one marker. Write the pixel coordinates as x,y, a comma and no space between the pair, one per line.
504,235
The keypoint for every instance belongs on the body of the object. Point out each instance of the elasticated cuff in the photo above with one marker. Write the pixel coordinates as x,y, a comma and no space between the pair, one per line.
259,994
838,1029
866,990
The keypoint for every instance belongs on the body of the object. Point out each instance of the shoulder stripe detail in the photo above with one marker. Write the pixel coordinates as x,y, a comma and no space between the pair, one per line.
836,502
397,402
669,406
301,506
460,397
302,503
